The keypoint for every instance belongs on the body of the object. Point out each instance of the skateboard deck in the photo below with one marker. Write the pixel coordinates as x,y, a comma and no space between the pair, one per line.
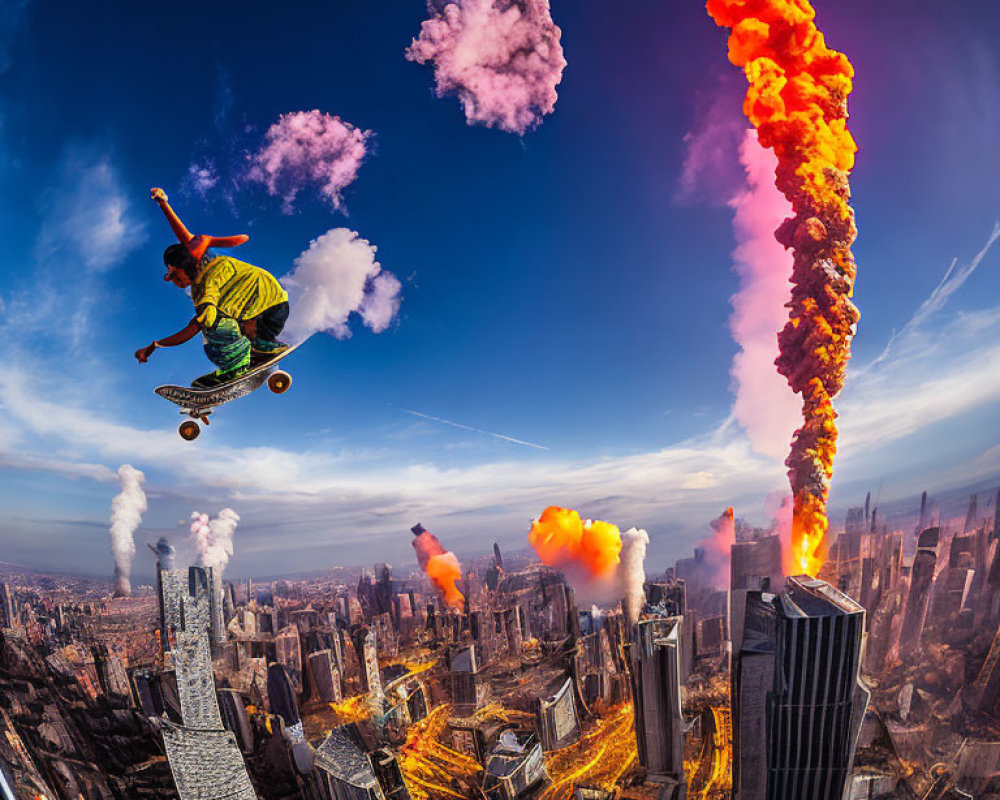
199,403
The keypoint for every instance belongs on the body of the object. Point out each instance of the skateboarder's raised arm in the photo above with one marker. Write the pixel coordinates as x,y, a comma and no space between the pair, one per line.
185,334
196,244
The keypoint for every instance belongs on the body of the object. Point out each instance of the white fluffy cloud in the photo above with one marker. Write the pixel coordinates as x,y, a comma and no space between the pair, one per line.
338,276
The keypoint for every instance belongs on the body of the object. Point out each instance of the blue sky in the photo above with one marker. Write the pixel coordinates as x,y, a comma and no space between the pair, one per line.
557,289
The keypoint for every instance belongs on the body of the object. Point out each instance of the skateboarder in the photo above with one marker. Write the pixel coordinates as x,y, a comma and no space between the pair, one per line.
240,309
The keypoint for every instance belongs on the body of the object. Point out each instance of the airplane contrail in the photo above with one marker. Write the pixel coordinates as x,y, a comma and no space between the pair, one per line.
475,430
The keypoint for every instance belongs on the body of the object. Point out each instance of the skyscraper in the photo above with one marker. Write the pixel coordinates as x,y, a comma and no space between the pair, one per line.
7,608
656,699
204,757
798,699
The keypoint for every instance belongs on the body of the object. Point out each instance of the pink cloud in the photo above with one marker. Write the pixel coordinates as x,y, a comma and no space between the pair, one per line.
501,57
309,148
764,404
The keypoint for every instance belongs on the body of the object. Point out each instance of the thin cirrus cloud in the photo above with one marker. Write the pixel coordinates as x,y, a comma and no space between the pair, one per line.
936,367
86,213
463,427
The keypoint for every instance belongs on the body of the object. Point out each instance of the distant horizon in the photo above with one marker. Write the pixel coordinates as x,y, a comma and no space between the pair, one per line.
898,509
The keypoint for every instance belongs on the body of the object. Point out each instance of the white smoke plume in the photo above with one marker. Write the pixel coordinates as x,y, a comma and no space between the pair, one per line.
126,513
632,573
338,276
213,538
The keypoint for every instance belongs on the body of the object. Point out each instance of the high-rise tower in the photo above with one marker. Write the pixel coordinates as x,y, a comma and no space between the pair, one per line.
796,689
656,699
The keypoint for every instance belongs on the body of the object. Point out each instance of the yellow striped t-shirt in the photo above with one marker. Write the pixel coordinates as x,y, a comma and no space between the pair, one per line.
239,290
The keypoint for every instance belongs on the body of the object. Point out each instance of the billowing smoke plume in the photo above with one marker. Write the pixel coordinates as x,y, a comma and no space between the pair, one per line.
213,538
336,277
440,565
764,405
309,148
632,572
595,555
126,513
717,550
797,100
503,59
585,549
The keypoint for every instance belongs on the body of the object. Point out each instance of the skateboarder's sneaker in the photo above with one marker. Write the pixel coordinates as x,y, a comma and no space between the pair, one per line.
259,356
217,378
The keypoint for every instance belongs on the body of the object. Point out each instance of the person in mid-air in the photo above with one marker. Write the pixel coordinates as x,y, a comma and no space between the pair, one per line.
240,309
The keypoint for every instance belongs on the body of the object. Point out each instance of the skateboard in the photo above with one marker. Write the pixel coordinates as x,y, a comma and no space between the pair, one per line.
198,404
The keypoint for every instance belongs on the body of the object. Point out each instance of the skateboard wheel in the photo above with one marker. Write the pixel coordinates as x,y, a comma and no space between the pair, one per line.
279,381
189,430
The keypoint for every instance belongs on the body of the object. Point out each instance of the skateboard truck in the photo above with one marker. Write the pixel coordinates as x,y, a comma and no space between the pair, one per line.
189,429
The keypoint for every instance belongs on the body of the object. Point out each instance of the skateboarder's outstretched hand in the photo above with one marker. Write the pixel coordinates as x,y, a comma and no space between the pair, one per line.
143,353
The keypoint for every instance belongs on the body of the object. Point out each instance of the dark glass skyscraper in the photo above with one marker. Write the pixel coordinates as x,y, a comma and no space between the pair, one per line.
796,689
656,672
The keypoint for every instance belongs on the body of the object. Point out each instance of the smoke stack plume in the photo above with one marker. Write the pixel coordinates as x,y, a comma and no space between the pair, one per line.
126,513
440,565
632,572
213,538
797,100
562,539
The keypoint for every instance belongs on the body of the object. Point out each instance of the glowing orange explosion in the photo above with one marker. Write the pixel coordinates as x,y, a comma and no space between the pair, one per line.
797,99
441,566
562,539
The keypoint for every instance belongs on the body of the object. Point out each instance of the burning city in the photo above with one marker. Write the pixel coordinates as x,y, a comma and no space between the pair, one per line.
563,670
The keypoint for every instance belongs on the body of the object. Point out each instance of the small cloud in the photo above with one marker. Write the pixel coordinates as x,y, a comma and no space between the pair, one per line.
335,277
201,178
503,60
87,215
306,148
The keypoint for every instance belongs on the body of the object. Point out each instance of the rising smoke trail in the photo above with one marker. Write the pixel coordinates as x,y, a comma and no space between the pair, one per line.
126,513
763,403
213,538
632,572
797,100
440,565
